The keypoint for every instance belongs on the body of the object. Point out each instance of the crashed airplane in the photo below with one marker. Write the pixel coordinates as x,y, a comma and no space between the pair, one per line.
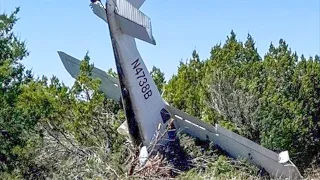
144,107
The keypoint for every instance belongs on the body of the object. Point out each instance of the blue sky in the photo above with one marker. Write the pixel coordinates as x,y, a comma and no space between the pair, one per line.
178,26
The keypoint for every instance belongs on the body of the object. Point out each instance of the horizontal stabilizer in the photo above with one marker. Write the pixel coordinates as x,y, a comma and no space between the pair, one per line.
133,22
99,10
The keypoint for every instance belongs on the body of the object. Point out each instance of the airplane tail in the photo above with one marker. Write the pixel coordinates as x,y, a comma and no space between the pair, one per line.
130,19
144,107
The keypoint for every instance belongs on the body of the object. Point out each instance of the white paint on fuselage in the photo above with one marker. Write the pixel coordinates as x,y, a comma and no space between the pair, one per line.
147,111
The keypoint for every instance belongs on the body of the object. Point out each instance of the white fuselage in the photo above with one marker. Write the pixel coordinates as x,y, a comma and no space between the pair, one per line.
141,98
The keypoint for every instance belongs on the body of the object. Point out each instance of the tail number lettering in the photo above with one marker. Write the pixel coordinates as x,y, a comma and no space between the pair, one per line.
143,81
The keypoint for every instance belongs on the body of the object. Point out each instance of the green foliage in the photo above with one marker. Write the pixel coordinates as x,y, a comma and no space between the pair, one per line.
290,113
112,73
12,76
272,100
184,89
46,128
158,78
73,125
209,163
231,75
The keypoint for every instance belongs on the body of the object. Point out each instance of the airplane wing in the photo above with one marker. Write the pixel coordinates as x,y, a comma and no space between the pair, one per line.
109,85
234,144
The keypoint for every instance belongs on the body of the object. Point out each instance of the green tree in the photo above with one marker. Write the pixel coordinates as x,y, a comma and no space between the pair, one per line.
291,103
231,74
112,73
74,125
158,78
184,89
12,76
